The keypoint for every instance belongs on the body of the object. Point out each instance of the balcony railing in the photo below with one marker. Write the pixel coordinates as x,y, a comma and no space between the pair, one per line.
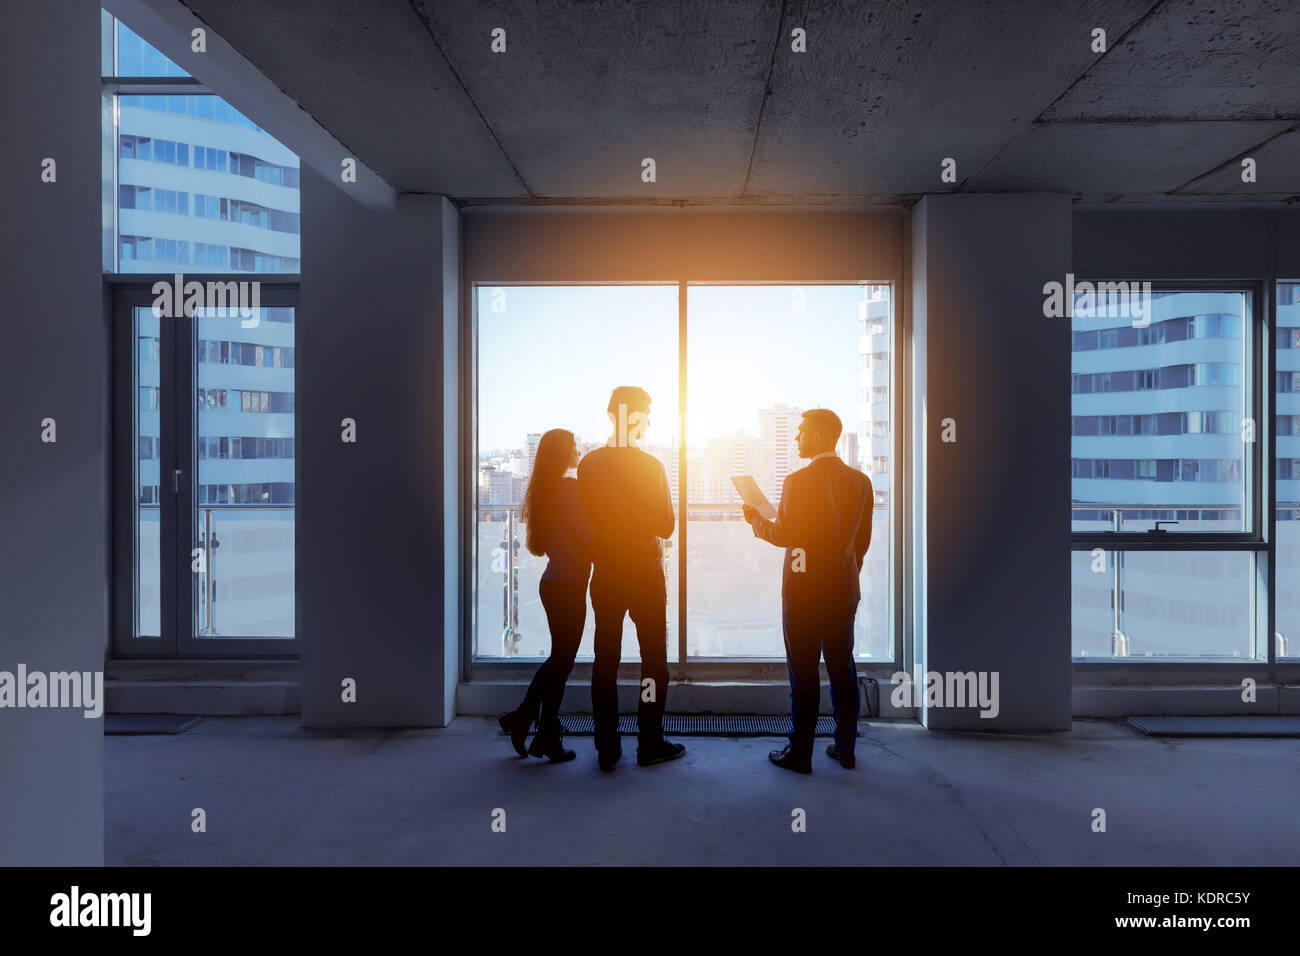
1117,512
1119,640
210,542
508,551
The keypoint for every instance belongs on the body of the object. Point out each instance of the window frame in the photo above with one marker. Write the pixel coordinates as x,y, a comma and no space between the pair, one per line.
685,667
123,292
177,391
1257,536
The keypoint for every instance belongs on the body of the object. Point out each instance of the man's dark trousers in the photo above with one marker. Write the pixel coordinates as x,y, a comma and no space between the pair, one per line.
809,632
639,590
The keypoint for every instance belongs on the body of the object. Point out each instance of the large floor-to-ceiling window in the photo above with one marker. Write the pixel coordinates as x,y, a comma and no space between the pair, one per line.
201,248
758,357
1166,461
548,356
744,360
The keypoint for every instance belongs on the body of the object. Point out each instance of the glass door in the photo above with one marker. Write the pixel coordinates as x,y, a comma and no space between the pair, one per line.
205,472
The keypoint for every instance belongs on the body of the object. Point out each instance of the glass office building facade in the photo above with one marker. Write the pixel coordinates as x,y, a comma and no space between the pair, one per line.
1163,443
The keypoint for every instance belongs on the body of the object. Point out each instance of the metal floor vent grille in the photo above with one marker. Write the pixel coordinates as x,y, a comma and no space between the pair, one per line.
696,725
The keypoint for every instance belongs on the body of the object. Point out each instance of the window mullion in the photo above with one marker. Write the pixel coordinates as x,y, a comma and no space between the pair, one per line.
167,465
683,505
181,397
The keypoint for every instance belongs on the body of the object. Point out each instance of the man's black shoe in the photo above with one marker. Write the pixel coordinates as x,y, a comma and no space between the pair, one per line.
659,753
790,760
609,760
846,758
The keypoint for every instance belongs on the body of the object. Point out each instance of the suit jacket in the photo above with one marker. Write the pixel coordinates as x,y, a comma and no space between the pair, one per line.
825,510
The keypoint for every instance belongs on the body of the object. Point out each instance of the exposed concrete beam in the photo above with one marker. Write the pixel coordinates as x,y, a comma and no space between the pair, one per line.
417,7
168,25
1235,161
965,183
767,94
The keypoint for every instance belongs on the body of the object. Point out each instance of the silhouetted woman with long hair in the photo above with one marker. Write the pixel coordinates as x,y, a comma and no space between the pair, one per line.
556,524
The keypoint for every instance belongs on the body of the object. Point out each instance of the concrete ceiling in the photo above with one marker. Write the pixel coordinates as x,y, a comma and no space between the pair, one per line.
713,92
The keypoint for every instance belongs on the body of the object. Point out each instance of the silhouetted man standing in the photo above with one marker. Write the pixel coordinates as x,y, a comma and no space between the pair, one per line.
824,524
626,491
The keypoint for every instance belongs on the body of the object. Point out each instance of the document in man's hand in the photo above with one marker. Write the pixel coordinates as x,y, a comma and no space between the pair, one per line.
753,496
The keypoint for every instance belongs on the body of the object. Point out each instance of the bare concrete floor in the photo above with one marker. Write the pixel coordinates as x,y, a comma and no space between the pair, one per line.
275,794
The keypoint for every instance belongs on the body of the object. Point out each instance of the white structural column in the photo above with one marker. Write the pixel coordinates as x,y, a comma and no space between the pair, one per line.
992,501
377,531
53,493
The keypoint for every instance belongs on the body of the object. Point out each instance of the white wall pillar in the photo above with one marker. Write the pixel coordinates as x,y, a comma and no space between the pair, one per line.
53,496
375,549
993,507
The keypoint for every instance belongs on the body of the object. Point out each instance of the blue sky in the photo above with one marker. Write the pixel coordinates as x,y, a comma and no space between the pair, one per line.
550,359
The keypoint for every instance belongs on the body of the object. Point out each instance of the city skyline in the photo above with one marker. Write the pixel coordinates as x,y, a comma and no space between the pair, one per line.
768,465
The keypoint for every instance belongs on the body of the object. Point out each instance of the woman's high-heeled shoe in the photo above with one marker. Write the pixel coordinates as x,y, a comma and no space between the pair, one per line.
517,726
550,743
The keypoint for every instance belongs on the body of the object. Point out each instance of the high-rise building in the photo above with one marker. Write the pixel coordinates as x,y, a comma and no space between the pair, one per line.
732,455
777,427
531,442
1159,433
200,187
847,449
498,487
1157,412
872,449
1288,406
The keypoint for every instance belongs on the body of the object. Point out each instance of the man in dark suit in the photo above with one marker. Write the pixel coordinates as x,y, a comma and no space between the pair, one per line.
626,491
824,524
